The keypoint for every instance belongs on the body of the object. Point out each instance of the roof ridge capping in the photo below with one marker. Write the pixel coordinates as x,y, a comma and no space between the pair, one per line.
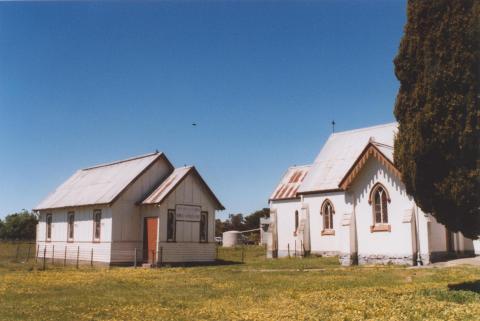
122,160
363,129
298,166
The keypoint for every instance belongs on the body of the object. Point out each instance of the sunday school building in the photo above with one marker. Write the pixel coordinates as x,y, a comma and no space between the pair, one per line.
140,208
351,202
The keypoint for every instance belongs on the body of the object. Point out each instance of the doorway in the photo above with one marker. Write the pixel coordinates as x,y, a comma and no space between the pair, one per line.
150,228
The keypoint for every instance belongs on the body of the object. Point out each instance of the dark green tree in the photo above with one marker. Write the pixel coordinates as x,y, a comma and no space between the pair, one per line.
19,226
437,107
252,221
2,229
235,222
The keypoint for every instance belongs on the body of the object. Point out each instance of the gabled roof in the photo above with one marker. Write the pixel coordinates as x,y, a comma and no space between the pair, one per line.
291,180
101,184
340,153
172,181
381,152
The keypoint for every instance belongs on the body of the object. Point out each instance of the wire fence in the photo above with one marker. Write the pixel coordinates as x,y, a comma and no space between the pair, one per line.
44,256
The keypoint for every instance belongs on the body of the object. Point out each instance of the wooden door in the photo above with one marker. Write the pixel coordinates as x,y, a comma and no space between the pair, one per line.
150,239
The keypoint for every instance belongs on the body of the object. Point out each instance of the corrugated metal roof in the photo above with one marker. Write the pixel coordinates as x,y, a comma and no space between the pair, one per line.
172,181
100,184
340,152
159,194
290,183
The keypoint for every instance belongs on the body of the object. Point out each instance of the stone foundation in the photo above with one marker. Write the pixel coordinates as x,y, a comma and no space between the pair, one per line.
347,259
325,253
385,259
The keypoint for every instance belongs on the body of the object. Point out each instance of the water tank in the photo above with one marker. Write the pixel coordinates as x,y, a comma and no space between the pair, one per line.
231,238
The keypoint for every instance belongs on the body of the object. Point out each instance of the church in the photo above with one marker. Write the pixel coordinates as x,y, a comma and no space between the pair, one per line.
351,202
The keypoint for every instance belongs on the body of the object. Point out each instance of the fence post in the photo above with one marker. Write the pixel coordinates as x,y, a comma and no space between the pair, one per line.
78,254
53,254
16,255
91,258
36,254
295,250
135,258
65,257
28,253
44,256
161,255
301,248
266,251
288,248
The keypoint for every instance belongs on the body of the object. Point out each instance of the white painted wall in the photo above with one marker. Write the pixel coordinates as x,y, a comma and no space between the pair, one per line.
83,234
328,244
127,223
476,246
285,210
400,245
398,242
187,247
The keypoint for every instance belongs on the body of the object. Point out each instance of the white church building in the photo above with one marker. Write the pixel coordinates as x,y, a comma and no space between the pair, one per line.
351,202
137,209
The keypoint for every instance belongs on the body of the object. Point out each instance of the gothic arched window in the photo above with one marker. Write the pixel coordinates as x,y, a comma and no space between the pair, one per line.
327,212
379,200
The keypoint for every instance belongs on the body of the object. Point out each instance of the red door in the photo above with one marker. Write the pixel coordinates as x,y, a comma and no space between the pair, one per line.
150,239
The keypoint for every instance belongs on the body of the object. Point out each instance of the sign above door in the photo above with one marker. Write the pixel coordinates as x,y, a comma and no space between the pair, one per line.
188,213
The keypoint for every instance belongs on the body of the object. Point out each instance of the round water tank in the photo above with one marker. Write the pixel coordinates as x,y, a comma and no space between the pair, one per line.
231,238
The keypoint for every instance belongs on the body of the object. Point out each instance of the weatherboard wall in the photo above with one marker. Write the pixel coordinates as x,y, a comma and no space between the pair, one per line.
83,241
127,233
187,246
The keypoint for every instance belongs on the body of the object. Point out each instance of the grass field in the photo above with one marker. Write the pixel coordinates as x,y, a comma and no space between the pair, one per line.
259,289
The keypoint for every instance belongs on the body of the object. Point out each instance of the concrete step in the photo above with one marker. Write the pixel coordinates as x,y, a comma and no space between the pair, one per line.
147,265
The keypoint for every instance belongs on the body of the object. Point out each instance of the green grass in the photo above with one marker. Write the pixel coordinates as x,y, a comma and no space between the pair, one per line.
260,289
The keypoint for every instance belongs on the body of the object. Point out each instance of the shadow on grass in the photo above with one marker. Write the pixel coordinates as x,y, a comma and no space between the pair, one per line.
473,286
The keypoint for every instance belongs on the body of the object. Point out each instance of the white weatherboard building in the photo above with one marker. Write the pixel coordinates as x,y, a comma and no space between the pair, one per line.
139,206
351,202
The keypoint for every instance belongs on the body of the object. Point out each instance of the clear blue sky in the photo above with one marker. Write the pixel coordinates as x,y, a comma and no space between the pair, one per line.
86,83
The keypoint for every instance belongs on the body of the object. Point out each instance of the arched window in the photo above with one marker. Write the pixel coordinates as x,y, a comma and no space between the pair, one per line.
379,200
327,212
296,223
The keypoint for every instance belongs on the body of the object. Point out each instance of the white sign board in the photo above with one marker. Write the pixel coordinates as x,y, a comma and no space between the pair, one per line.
188,213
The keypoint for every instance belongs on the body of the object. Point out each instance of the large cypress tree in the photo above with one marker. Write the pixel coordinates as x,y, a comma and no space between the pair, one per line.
437,107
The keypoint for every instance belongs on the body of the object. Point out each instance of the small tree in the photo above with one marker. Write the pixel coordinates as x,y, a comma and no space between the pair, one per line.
437,107
252,221
2,229
19,226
